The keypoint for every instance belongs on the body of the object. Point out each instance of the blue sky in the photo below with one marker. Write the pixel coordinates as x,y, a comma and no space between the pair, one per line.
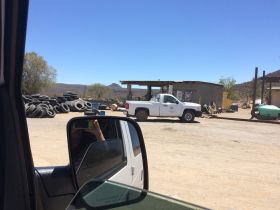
110,40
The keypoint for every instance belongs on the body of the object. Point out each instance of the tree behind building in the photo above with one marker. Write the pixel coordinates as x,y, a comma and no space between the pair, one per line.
229,84
99,91
37,74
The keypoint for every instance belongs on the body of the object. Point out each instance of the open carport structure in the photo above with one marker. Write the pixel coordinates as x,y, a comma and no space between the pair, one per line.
265,80
188,91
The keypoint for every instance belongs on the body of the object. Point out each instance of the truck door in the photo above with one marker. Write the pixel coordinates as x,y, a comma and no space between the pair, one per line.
169,106
137,170
124,175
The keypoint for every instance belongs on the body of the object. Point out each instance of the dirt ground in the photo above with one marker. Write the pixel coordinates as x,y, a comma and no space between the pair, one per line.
242,114
219,164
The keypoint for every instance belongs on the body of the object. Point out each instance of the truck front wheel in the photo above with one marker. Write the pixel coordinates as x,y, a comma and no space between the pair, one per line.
141,115
188,116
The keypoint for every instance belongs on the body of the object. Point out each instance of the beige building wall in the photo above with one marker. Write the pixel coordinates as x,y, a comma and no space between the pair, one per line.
202,93
275,97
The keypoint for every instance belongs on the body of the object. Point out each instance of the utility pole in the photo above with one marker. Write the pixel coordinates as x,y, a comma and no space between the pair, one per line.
254,93
263,81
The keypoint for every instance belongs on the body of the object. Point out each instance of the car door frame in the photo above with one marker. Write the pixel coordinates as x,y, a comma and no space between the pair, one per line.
21,185
17,185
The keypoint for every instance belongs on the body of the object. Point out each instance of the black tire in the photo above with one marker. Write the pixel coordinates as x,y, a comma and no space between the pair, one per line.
50,113
69,104
26,107
88,105
35,101
37,112
46,102
78,106
60,99
44,105
53,102
188,116
64,108
67,108
43,113
30,109
141,115
26,99
56,109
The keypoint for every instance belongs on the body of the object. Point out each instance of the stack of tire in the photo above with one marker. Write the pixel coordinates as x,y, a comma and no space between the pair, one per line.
70,96
42,106
78,105
59,107
37,106
75,103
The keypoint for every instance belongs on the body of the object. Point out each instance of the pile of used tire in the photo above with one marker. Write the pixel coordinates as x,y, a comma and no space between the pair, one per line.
38,106
75,103
42,106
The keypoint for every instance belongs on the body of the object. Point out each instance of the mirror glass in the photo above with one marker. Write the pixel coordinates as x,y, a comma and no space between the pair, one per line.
105,148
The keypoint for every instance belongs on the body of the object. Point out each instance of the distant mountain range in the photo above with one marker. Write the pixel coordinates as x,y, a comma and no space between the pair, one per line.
118,91
244,89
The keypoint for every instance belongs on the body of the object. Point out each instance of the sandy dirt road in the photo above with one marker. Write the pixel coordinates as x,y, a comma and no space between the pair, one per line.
218,164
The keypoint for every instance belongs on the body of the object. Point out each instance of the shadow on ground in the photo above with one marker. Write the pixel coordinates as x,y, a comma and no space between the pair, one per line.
166,121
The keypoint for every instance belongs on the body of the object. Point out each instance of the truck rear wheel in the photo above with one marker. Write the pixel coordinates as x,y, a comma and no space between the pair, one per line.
188,116
141,115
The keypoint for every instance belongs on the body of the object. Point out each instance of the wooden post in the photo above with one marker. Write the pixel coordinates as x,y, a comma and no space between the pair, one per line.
85,92
148,95
254,93
129,95
263,81
270,96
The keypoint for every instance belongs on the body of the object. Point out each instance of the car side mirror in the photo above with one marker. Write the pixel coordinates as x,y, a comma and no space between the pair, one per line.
177,102
109,148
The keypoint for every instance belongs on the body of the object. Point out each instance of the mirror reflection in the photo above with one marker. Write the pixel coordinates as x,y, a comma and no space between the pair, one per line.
106,148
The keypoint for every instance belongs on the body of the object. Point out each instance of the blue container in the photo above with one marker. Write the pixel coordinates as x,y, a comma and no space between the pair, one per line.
95,105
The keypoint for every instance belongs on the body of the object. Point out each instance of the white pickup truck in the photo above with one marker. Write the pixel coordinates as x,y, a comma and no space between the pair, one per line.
163,105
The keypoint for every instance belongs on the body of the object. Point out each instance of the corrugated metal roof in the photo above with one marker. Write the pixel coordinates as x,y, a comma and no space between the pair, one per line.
158,83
